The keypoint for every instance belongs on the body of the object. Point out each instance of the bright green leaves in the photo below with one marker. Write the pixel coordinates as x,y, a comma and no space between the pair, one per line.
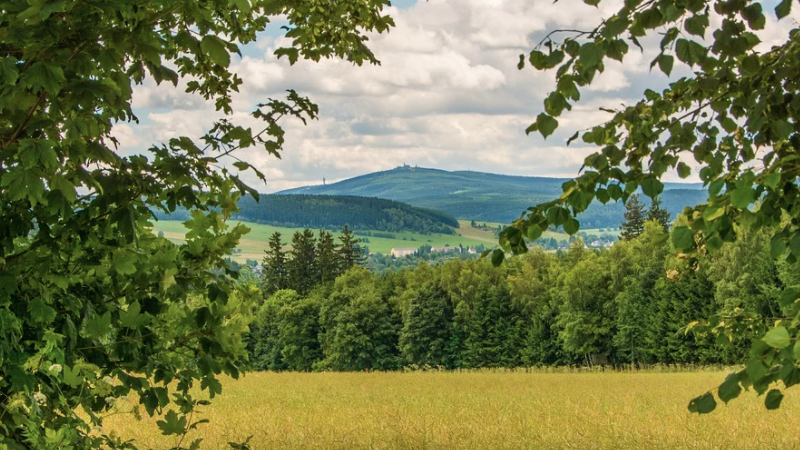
703,404
784,8
133,318
743,195
778,337
591,54
72,376
44,76
124,263
540,61
172,424
690,52
216,49
652,187
211,384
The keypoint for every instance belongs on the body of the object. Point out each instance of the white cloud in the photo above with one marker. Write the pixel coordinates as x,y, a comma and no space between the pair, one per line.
447,94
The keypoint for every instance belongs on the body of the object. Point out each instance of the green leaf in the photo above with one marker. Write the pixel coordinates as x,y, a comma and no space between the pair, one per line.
132,318
98,326
777,247
682,238
771,180
783,9
571,226
782,129
751,64
498,256
755,369
172,424
67,189
665,63
534,232
730,388
690,52
773,399
743,196
778,337
703,404
124,263
788,296
652,187
8,71
796,351
546,125
72,376
590,55
712,213
43,75
212,384
216,50
41,313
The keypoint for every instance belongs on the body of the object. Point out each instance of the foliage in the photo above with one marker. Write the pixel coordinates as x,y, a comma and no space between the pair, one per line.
658,213
332,211
635,217
93,305
736,115
274,271
579,306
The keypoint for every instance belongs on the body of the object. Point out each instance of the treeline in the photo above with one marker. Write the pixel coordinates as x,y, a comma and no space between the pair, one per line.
331,211
579,306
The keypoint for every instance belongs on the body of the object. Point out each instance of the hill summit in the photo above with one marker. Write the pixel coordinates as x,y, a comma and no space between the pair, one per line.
486,196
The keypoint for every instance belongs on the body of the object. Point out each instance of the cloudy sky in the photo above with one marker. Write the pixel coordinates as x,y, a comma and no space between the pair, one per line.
448,95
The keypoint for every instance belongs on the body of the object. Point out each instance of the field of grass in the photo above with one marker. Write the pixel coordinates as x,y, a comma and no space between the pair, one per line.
480,410
254,243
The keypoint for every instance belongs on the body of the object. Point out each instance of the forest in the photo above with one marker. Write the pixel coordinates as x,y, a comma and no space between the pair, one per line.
574,307
330,212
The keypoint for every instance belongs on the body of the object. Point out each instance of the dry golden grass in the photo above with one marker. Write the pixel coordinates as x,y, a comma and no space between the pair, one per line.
481,410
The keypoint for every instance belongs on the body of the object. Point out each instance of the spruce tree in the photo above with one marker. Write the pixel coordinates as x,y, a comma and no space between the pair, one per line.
350,252
634,219
274,275
302,267
657,213
327,263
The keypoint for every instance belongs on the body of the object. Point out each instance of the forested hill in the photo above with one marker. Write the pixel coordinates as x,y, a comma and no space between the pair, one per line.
485,196
332,212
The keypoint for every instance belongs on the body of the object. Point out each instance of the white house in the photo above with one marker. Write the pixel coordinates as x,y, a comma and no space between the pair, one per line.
398,252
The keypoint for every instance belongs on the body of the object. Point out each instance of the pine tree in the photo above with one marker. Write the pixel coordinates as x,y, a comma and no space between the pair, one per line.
302,267
659,214
327,265
351,254
634,219
274,271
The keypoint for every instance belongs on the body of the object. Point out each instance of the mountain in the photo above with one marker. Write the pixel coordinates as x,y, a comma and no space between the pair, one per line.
334,211
485,196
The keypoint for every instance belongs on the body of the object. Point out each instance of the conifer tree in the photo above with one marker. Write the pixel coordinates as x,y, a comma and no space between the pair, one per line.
274,275
302,267
350,252
659,214
327,261
634,219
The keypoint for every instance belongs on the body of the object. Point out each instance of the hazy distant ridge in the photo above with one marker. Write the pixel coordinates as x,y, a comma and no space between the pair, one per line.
485,196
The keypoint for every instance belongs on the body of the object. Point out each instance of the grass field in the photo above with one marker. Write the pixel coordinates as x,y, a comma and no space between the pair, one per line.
254,243
481,410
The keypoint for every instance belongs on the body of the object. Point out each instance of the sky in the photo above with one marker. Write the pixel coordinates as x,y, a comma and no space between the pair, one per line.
447,95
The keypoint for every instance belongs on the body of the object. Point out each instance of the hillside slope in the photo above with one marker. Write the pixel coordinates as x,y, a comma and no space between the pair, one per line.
484,196
335,211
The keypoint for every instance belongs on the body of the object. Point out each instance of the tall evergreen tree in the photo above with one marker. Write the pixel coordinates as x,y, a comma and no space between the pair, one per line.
274,276
635,218
426,331
327,258
302,267
351,254
657,213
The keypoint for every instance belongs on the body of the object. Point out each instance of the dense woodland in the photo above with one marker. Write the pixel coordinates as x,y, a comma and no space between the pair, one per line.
579,306
331,211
